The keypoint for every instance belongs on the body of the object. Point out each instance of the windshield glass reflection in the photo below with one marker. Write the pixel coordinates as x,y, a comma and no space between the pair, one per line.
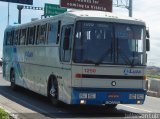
107,43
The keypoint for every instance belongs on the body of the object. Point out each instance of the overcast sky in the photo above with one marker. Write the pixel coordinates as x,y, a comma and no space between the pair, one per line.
147,10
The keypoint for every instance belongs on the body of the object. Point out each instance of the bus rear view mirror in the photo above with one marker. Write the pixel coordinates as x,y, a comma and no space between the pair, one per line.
147,45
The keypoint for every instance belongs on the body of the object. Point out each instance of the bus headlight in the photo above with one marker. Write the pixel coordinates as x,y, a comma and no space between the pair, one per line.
91,95
140,96
82,101
83,95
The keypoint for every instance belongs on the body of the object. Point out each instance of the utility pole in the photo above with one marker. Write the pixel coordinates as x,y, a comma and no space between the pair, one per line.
8,14
127,4
20,7
130,8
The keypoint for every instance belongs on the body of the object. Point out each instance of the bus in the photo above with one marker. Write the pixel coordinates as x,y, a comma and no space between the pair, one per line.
79,58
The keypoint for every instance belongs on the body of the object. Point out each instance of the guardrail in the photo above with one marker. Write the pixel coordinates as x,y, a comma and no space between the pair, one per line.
153,87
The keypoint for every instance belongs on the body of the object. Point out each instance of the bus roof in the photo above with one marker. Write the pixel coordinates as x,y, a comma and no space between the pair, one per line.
89,15
107,16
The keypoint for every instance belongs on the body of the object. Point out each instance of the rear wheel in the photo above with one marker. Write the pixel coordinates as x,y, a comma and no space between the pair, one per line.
12,80
53,92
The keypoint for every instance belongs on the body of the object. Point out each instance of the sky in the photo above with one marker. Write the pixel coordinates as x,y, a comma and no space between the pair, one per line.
147,10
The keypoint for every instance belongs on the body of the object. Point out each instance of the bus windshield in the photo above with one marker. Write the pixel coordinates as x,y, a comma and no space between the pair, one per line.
108,43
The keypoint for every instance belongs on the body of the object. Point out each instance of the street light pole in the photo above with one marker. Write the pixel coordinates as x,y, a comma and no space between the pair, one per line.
19,7
130,8
8,14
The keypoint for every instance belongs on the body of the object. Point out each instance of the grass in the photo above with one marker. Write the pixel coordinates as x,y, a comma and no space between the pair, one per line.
4,114
154,76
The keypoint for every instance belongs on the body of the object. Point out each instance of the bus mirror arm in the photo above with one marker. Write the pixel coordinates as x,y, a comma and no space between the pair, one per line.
147,33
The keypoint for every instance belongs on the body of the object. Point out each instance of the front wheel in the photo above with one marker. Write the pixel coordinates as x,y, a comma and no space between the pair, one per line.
53,92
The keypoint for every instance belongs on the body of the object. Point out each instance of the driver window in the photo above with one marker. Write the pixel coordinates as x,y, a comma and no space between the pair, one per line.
66,43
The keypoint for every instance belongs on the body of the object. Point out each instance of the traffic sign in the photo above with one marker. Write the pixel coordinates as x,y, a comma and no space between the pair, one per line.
53,9
99,5
29,2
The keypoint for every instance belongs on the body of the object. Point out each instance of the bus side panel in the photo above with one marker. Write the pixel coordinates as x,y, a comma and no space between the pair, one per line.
66,77
36,64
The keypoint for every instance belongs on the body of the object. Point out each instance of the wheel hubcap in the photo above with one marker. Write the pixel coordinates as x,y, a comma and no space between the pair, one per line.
52,91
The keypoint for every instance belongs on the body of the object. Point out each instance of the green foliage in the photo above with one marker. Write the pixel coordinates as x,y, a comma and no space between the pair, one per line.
154,76
3,114
153,72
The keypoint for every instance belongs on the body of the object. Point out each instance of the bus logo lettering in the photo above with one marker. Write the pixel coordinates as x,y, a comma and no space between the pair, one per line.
132,71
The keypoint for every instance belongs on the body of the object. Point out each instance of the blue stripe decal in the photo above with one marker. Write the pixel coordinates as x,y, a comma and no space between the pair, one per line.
104,95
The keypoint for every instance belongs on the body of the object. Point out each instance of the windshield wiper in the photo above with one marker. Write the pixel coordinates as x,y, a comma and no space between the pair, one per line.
108,51
125,58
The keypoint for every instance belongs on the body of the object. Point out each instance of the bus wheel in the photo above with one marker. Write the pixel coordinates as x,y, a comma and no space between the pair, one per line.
111,106
12,80
53,92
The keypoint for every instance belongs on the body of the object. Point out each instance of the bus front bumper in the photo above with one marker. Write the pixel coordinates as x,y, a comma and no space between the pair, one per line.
90,96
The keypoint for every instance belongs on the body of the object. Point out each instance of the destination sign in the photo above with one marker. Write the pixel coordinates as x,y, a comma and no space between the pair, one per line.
99,5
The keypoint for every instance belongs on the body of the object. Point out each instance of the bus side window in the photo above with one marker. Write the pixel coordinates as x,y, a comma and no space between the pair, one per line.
52,33
23,36
66,43
9,38
31,35
12,37
42,33
58,33
37,33
16,38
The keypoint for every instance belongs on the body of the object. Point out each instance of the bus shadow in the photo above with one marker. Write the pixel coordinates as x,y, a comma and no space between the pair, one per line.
31,100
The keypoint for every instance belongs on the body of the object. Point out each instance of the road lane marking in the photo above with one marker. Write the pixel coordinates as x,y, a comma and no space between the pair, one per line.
136,108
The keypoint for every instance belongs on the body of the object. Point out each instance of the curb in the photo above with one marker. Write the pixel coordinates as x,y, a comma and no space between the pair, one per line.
11,115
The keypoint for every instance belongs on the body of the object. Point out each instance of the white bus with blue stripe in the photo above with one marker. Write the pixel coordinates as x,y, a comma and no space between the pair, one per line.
79,57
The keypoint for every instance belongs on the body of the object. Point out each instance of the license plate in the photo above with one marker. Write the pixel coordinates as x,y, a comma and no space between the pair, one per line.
113,96
112,102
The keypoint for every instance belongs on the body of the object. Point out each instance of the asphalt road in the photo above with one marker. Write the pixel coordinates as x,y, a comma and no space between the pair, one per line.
25,104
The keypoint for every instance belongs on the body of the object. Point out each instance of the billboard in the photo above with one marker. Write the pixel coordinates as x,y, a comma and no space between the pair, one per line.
99,5
28,2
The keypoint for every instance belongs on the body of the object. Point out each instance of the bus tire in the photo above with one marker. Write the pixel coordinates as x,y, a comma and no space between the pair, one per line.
12,80
53,91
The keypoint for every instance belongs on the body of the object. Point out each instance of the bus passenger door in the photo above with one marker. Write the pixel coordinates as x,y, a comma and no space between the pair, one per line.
65,58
